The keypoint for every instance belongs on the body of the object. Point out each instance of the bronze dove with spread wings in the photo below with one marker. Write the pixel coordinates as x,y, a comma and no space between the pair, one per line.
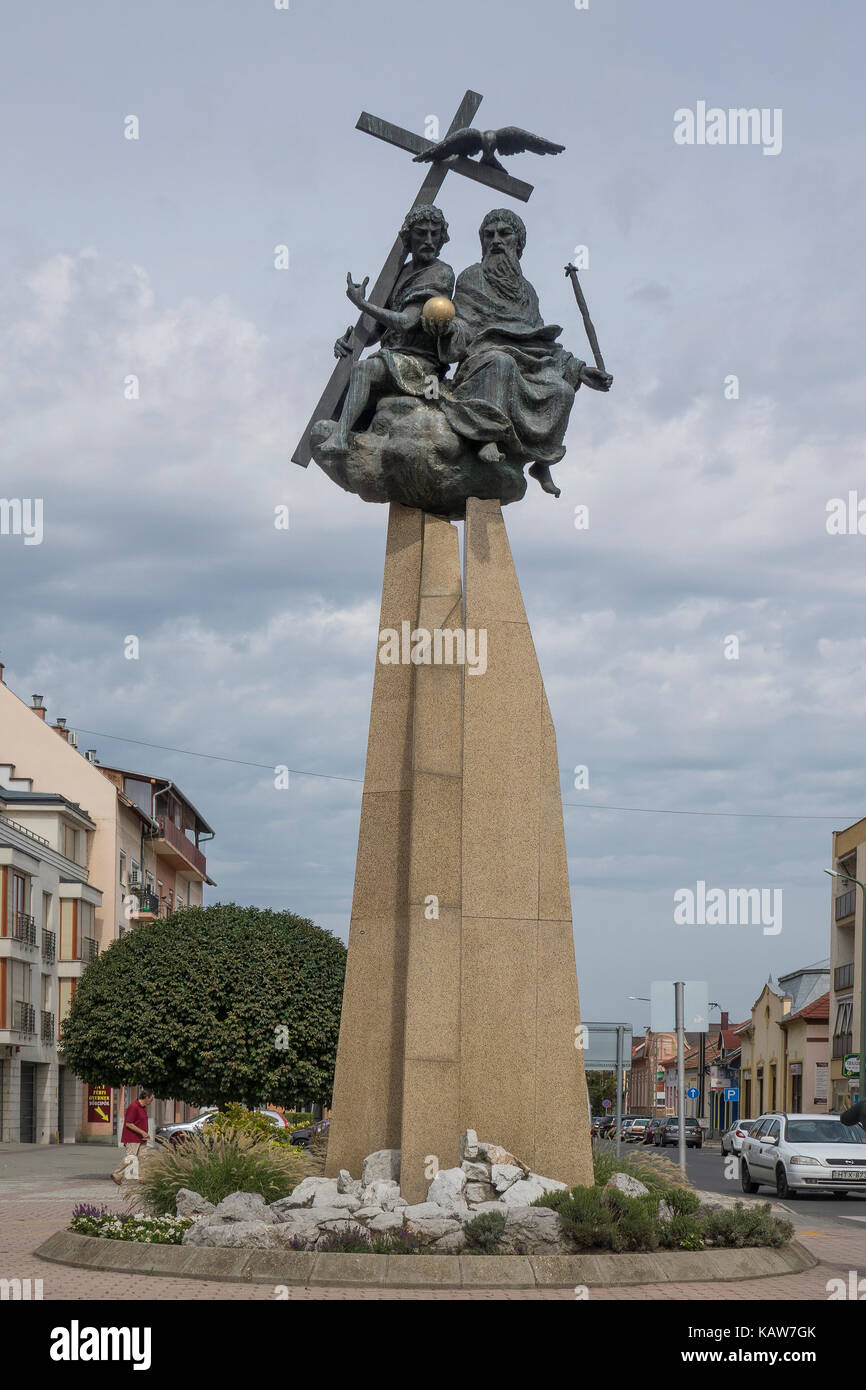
509,140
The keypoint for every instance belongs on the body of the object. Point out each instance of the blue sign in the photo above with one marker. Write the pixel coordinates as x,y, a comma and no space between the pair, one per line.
692,1093
732,1093
606,1104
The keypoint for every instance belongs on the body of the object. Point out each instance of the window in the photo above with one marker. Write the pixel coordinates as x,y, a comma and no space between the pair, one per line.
19,899
69,843
69,946
122,866
796,1091
46,911
771,1130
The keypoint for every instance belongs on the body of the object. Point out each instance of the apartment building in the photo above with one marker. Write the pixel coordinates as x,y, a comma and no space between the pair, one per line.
47,909
134,853
785,1047
846,963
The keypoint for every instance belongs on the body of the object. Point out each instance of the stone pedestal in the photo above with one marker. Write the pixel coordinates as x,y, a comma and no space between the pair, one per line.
461,1001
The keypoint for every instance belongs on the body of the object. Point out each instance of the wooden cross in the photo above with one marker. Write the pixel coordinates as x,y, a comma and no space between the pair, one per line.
366,330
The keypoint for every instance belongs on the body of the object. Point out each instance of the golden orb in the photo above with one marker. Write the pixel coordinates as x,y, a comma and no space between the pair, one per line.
438,310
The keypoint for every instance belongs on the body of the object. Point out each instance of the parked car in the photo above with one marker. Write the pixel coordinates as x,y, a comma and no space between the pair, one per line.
634,1131
175,1133
802,1153
653,1128
309,1133
732,1139
670,1133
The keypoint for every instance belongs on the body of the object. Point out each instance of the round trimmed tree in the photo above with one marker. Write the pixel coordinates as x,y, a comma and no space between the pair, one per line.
211,1005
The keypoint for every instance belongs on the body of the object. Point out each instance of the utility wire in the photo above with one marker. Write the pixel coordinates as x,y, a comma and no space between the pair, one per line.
579,806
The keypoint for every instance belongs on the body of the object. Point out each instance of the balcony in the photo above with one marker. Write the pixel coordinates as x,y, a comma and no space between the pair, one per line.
49,947
47,1027
845,904
88,950
178,849
23,1017
148,905
843,977
23,928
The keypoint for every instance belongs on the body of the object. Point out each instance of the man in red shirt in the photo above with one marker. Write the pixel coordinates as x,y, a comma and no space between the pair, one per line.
133,1135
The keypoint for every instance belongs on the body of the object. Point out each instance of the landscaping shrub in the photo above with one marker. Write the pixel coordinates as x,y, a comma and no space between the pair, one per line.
484,1233
216,1165
746,1225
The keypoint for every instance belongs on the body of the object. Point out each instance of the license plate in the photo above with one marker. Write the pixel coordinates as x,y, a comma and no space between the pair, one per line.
840,1174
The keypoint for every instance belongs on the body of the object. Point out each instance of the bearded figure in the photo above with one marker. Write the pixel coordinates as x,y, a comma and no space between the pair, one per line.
515,384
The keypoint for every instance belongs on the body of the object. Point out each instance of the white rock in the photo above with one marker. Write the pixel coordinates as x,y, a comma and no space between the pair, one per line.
366,1214
476,1172
424,1210
344,1200
502,1175
626,1184
305,1192
534,1230
383,1193
665,1212
447,1188
386,1221
347,1184
242,1207
494,1153
431,1230
251,1235
478,1192
381,1166
189,1203
469,1144
521,1193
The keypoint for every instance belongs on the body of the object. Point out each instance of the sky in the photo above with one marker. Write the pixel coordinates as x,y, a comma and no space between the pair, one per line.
155,258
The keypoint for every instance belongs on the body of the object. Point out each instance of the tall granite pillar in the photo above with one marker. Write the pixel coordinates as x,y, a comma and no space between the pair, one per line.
461,1004
368,1083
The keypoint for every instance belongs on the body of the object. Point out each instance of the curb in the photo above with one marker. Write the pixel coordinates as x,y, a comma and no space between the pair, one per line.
422,1271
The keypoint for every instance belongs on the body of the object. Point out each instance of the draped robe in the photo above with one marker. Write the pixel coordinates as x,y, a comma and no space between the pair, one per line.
509,387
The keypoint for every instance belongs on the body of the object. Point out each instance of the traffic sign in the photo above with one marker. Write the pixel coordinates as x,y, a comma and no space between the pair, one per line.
692,1093
606,1104
732,1093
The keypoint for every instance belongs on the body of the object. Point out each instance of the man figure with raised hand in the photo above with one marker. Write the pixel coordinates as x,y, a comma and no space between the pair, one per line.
515,385
407,359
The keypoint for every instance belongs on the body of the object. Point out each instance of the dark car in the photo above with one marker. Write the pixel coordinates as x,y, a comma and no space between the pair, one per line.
309,1133
653,1128
670,1133
597,1122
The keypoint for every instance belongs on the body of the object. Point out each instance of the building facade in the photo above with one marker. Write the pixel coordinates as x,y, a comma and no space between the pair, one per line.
785,1031
846,962
126,847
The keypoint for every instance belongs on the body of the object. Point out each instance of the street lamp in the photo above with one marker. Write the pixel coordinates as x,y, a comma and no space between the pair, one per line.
861,1062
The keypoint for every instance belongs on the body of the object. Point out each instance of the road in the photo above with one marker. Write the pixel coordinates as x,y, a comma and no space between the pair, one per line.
705,1168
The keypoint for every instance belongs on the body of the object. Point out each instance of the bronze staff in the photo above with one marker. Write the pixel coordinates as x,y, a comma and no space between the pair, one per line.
571,274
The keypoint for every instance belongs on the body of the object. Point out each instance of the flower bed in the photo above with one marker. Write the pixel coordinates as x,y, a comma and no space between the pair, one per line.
89,1220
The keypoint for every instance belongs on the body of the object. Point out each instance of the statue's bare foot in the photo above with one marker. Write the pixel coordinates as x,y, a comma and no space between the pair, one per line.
490,454
541,471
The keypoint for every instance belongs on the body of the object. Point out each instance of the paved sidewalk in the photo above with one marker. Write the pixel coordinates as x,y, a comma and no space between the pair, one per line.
31,1209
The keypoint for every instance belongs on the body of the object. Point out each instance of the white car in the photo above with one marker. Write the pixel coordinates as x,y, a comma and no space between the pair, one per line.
801,1153
732,1139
